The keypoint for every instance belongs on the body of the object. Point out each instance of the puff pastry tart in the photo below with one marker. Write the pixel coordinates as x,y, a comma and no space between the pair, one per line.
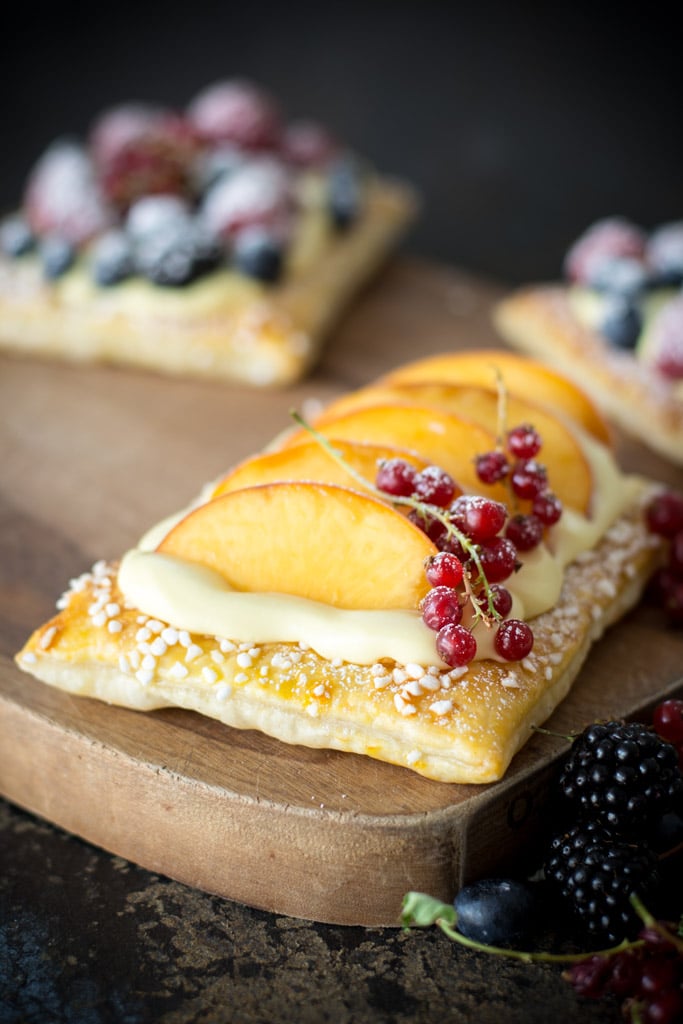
219,242
615,325
360,586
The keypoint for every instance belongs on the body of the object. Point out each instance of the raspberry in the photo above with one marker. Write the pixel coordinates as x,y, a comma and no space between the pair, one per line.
256,193
236,111
622,776
596,874
604,240
156,162
63,197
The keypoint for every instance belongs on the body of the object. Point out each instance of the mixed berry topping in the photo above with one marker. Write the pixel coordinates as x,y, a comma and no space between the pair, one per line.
479,540
664,517
171,195
630,268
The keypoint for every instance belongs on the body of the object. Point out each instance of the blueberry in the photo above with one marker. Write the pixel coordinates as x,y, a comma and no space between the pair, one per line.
16,237
620,276
344,192
622,323
112,258
665,254
175,255
258,253
497,911
57,256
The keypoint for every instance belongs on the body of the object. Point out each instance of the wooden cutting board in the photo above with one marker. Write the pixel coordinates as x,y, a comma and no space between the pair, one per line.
90,458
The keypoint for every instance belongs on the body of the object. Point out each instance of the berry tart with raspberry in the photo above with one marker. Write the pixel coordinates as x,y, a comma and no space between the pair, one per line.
615,325
416,576
217,241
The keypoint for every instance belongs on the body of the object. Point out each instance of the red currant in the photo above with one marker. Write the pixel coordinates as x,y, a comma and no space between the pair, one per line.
513,640
667,720
491,467
444,570
547,507
524,441
435,486
456,645
676,554
396,476
501,599
528,478
440,607
664,514
525,532
435,530
498,557
477,517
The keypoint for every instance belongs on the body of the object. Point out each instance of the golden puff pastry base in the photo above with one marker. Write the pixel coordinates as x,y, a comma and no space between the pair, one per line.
223,326
539,321
458,726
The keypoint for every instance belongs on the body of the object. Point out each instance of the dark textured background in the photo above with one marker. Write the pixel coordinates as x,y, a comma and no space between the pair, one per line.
520,123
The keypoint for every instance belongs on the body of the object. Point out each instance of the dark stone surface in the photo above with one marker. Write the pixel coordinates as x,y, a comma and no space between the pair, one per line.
88,938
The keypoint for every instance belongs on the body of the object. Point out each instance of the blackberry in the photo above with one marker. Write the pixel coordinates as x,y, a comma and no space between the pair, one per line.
622,776
596,873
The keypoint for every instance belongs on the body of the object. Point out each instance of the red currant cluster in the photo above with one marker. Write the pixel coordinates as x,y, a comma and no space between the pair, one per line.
664,517
478,541
647,979
667,721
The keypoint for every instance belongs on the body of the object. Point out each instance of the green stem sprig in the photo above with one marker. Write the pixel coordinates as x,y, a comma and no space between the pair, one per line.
427,511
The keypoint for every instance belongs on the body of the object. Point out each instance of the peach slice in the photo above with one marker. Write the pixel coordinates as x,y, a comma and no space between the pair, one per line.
522,376
312,540
570,475
311,462
447,440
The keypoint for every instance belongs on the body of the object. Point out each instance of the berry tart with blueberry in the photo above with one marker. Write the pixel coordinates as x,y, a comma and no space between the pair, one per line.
615,325
416,576
221,240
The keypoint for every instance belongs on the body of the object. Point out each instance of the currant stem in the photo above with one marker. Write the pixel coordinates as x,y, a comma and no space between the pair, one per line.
424,509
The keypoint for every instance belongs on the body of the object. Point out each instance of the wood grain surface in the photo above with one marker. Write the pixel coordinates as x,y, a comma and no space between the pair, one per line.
90,457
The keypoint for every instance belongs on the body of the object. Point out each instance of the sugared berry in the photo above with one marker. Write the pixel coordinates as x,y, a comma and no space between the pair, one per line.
176,256
57,255
455,645
63,196
514,640
498,557
236,111
623,276
151,214
528,478
307,144
440,607
497,911
665,339
547,507
606,239
665,254
444,570
501,599
396,476
345,193
525,531
258,253
477,517
156,161
16,237
664,514
435,486
111,258
524,441
622,322
257,192
492,467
